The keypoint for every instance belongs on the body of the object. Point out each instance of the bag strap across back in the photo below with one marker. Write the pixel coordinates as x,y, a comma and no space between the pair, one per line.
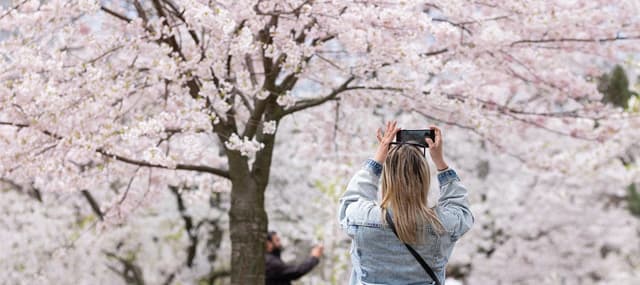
415,254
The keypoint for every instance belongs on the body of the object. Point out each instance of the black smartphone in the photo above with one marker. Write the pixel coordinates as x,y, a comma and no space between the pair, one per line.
415,136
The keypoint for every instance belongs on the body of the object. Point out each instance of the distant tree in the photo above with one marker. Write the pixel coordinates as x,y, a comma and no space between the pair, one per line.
633,199
615,87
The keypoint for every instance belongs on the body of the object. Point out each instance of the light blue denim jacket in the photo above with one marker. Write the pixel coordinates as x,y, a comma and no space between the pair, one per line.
377,255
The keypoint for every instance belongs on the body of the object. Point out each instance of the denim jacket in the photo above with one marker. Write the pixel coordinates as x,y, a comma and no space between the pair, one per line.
377,255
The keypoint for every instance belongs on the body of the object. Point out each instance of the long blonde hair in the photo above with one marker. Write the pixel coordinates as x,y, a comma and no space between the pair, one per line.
405,189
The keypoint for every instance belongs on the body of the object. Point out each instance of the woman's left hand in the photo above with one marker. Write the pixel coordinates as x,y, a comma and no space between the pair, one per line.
384,140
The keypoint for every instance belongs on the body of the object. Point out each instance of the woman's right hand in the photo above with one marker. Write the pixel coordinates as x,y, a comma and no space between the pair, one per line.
435,149
384,140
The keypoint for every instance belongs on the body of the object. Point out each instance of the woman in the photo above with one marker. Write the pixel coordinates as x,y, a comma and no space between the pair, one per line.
379,256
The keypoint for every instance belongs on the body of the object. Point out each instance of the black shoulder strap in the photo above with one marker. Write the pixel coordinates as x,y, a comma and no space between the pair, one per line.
416,255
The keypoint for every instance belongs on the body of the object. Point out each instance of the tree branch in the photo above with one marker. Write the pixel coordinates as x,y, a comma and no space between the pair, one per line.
254,120
188,226
269,84
579,40
199,168
94,204
132,274
458,25
115,14
15,7
20,125
437,52
252,73
192,84
33,193
267,62
304,104
180,15
141,12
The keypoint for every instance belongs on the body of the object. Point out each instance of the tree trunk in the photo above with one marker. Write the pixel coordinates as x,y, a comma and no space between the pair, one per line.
247,224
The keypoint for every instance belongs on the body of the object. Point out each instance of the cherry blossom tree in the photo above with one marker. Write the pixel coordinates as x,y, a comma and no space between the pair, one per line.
161,92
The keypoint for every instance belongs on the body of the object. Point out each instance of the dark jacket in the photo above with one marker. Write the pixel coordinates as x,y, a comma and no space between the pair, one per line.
279,273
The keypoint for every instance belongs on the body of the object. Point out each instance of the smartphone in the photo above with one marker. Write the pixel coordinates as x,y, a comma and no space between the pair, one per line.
415,136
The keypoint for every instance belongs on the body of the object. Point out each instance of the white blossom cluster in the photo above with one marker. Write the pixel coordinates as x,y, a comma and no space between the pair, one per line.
245,146
286,100
269,127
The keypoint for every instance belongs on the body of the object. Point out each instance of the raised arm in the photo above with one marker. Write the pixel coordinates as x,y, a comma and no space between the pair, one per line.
453,201
282,271
361,193
362,190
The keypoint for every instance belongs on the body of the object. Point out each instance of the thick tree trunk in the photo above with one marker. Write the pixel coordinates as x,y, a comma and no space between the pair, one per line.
248,222
248,226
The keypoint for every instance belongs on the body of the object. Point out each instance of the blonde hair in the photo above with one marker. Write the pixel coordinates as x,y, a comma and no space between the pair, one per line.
405,189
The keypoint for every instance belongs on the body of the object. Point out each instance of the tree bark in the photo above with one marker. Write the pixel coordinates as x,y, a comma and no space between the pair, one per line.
247,224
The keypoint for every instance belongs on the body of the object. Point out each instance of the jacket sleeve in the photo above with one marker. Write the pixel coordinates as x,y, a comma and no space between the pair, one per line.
282,271
454,202
361,194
